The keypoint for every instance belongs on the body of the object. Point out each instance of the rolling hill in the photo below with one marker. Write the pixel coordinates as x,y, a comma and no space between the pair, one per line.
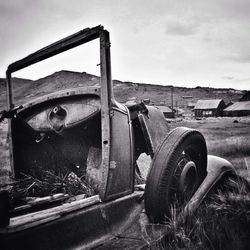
27,89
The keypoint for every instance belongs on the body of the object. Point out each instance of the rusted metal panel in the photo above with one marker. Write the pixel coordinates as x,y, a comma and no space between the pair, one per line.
106,94
60,46
65,113
57,151
154,127
79,91
121,172
82,229
216,168
34,219
9,91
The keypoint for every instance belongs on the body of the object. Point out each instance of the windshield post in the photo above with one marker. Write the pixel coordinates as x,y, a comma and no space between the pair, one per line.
10,101
106,94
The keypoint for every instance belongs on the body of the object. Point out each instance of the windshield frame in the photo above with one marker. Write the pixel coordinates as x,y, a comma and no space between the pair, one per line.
72,41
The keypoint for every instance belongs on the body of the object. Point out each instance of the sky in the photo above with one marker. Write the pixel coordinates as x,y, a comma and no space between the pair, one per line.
169,42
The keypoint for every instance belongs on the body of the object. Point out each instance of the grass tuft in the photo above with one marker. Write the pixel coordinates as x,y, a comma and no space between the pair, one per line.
222,221
48,183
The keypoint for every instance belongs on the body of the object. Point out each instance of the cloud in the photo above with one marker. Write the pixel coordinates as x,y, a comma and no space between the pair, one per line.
181,28
227,77
238,57
156,40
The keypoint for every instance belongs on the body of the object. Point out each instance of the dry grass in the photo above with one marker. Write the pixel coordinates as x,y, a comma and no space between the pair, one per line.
225,139
221,222
48,184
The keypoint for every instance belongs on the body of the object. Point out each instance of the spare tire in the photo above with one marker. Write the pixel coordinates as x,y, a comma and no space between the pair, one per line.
177,169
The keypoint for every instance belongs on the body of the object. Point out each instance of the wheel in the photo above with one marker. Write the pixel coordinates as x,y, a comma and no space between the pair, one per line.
177,169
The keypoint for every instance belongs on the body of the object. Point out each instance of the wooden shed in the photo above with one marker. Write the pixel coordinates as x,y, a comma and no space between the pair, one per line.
209,108
241,108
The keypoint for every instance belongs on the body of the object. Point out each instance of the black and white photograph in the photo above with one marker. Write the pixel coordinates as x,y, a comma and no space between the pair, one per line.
125,124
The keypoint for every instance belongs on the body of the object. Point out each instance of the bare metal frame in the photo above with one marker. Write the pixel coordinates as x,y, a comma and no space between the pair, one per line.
79,38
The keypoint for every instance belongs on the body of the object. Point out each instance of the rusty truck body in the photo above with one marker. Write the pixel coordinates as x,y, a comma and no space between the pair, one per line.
85,130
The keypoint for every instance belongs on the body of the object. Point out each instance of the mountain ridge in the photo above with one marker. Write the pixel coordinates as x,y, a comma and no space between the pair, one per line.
123,90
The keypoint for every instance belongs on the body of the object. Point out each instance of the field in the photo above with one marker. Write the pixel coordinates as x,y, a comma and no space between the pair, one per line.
226,137
220,223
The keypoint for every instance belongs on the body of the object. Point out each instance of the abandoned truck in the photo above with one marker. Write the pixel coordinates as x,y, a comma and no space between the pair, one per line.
84,131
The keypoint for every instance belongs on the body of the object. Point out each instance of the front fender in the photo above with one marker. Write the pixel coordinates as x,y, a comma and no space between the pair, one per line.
216,168
154,128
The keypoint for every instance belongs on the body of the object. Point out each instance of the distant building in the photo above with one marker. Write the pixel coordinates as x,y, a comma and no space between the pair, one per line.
191,105
245,97
209,108
167,112
241,108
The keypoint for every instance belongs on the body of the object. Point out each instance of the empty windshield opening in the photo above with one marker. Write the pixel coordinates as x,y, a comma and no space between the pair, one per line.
77,67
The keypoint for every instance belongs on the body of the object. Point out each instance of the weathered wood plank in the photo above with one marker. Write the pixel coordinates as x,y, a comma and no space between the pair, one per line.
33,219
39,201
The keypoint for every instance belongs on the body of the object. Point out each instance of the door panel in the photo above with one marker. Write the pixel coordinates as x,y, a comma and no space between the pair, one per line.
121,170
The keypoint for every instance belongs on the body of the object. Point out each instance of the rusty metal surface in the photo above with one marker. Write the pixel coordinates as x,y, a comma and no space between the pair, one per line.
216,168
104,147
62,94
154,128
83,229
121,171
139,235
64,113
106,100
106,92
60,46
57,151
